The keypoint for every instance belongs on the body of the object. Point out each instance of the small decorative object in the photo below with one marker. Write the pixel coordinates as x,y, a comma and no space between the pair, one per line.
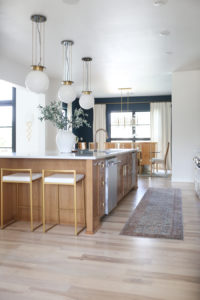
28,130
86,100
66,92
36,80
65,139
29,125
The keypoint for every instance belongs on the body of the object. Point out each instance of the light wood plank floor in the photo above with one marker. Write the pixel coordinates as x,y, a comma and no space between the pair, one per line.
105,266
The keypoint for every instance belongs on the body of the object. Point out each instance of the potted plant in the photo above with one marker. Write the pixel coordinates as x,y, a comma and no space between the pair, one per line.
54,113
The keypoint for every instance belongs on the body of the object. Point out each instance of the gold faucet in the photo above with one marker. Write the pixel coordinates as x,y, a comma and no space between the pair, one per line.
95,137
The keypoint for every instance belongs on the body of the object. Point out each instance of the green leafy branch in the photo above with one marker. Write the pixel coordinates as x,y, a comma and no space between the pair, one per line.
55,114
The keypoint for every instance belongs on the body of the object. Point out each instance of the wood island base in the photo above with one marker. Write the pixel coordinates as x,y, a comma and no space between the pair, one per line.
94,170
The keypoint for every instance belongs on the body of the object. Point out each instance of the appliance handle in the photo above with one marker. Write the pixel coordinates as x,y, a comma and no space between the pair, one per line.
117,163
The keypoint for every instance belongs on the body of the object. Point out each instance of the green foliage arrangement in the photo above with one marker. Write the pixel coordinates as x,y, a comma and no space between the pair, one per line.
55,114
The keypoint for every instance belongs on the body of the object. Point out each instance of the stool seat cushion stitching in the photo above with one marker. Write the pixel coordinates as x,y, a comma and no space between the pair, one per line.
63,178
25,177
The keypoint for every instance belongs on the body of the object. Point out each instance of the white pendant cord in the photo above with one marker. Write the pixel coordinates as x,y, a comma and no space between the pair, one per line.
37,37
67,62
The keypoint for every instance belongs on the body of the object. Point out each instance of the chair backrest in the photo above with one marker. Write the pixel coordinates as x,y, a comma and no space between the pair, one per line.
166,153
110,145
127,145
91,146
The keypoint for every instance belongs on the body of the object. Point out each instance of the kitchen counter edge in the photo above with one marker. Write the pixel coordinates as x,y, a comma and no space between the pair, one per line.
80,155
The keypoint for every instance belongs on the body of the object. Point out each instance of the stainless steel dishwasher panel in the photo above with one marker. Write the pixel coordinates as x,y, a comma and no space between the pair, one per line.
110,185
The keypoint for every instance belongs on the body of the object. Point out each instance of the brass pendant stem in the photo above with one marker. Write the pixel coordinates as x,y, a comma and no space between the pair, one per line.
87,92
67,82
38,68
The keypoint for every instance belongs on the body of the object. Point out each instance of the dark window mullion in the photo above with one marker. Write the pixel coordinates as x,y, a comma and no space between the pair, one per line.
6,103
13,127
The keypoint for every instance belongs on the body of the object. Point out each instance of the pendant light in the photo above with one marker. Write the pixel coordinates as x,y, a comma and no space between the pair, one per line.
127,91
37,81
66,92
86,100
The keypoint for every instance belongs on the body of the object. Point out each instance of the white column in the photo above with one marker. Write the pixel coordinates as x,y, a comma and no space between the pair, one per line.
185,124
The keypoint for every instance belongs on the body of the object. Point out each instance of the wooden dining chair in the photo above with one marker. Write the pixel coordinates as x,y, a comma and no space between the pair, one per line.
92,146
157,161
110,145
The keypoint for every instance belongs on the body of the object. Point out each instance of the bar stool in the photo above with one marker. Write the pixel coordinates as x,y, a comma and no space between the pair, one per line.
63,177
19,176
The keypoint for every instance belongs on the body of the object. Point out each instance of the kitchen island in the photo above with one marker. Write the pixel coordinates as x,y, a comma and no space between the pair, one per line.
91,164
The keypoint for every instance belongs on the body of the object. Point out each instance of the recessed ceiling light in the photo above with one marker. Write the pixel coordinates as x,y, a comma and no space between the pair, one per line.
164,33
159,2
71,1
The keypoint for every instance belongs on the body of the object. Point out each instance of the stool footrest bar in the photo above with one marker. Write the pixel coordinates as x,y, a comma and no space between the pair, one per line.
9,223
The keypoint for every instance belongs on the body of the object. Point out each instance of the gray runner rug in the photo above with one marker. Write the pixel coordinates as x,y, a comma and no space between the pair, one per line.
158,215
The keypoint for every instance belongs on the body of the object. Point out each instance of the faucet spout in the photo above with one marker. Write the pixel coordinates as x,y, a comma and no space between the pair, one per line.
95,137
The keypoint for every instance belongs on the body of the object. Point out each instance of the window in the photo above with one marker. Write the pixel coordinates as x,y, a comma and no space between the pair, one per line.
121,125
130,125
7,117
142,125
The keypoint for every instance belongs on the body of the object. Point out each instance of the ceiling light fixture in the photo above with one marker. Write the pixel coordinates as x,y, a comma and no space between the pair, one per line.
66,92
159,2
37,81
169,52
125,92
86,100
164,33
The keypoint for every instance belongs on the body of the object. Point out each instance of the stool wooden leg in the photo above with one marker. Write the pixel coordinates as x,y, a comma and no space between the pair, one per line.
1,199
75,209
31,204
17,187
43,206
84,206
58,206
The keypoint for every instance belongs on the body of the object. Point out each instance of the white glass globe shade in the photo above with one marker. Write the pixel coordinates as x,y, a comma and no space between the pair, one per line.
37,81
66,93
86,101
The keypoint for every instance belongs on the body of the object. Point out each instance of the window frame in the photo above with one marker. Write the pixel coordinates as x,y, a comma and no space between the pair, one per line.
11,103
143,139
123,139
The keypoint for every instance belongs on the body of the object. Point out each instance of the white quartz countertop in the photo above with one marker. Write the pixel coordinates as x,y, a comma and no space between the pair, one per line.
80,154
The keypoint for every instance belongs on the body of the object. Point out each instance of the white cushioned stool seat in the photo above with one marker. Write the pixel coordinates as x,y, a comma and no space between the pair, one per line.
21,177
63,178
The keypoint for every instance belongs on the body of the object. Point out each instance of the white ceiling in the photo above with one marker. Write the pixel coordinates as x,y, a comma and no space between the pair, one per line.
122,36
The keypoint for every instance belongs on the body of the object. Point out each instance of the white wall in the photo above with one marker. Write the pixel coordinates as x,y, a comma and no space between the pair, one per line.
185,124
12,71
16,73
30,131
26,108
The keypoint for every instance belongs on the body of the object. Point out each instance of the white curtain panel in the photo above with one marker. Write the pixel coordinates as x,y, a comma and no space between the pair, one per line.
161,128
99,121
